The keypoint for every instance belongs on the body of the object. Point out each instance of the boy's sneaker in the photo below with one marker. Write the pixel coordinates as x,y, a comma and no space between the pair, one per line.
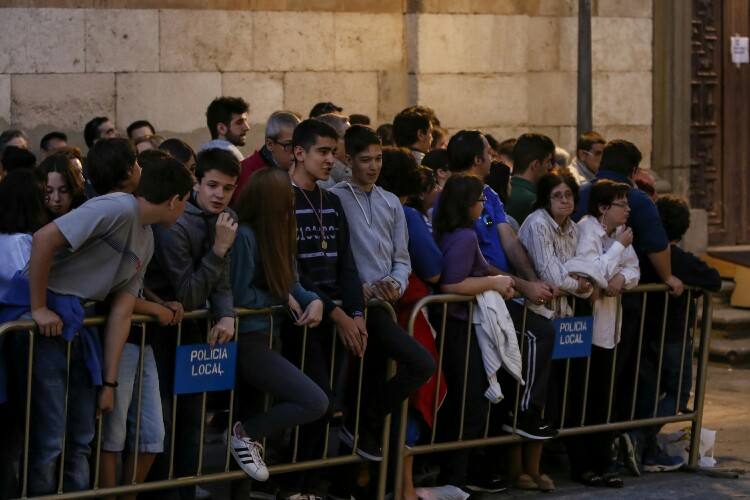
628,448
530,426
248,454
367,446
661,462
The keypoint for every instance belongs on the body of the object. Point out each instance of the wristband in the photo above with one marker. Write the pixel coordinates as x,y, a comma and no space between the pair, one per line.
109,384
358,314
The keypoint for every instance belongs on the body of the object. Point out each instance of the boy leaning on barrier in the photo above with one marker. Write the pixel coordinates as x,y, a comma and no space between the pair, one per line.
676,371
192,267
96,252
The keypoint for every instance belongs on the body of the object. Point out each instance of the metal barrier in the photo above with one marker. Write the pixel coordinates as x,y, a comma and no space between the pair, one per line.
489,438
29,327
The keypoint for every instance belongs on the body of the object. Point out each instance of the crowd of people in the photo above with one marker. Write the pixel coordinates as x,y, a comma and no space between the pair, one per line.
327,216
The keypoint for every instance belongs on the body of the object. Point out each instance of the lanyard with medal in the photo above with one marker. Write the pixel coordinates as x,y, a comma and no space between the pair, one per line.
318,216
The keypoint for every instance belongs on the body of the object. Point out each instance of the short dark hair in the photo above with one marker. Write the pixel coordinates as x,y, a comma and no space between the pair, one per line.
216,159
358,138
407,123
323,108
548,182
587,139
463,148
427,183
91,130
359,119
604,192
622,157
221,110
437,159
460,192
529,148
385,132
14,158
140,124
179,150
163,177
499,179
52,136
8,135
675,216
60,162
400,173
21,202
108,163
308,131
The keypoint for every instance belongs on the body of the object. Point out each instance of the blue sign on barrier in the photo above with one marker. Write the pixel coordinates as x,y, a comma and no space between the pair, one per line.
573,337
201,368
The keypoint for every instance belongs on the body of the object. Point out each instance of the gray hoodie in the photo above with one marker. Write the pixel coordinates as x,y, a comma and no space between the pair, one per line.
377,233
188,269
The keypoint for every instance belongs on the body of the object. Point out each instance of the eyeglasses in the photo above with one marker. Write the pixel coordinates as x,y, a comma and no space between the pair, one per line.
287,146
621,204
565,195
593,153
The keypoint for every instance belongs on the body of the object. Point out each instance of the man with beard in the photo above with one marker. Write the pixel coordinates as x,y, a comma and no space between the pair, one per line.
226,118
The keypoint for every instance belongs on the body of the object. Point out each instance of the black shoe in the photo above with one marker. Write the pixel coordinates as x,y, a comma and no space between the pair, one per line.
368,446
488,485
531,427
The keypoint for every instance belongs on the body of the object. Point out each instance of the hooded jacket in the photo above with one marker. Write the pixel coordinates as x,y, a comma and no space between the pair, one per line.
187,269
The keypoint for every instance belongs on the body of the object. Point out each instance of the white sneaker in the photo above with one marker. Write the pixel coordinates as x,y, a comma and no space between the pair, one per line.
249,455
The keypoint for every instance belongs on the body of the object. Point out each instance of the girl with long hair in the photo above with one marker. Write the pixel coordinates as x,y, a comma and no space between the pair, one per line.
64,183
264,275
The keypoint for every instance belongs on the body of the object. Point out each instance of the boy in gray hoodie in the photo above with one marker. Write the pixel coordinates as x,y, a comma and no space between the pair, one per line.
193,267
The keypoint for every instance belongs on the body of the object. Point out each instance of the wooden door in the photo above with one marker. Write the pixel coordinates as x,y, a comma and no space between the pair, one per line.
720,121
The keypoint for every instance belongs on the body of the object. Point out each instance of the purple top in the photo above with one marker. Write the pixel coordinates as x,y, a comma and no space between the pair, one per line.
462,259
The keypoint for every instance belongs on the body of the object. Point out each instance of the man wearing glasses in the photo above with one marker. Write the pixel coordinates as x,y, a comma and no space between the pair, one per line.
276,152
588,157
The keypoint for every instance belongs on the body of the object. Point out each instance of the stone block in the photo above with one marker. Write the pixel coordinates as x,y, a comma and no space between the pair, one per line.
396,89
622,98
4,101
621,44
393,6
551,132
122,40
474,101
174,102
207,40
42,41
488,44
368,42
293,41
568,43
567,139
61,101
696,237
641,136
554,8
552,98
264,92
502,7
503,133
355,92
631,8
543,47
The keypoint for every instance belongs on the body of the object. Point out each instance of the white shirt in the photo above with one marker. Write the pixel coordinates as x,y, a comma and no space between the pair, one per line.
605,258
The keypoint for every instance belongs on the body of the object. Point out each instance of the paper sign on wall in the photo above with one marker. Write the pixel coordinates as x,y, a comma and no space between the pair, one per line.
740,50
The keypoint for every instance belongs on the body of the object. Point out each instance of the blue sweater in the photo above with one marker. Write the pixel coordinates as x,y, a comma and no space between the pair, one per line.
248,283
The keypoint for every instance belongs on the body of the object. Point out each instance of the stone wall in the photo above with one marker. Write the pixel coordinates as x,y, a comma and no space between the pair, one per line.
505,66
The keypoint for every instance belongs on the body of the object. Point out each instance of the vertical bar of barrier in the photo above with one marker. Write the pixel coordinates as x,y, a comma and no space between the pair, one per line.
618,326
700,384
439,371
27,429
682,352
199,471
565,393
170,474
518,384
585,391
359,396
227,458
98,450
326,438
266,396
138,404
466,373
383,467
661,353
302,369
68,348
638,356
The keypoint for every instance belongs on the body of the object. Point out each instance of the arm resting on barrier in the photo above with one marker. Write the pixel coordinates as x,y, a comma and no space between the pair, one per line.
115,335
46,242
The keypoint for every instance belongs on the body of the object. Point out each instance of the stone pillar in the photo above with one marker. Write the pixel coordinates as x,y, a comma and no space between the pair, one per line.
585,120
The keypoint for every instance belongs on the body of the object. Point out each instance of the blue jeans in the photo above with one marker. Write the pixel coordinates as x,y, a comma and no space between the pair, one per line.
49,425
